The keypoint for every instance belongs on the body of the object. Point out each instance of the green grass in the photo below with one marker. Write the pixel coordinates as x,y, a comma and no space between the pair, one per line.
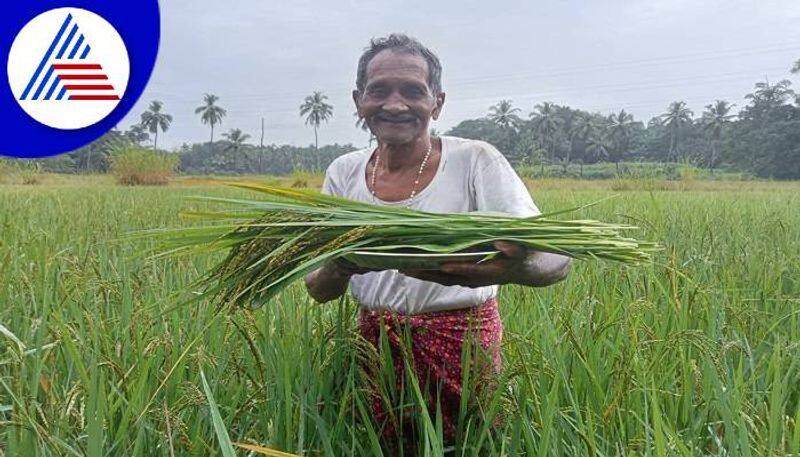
696,355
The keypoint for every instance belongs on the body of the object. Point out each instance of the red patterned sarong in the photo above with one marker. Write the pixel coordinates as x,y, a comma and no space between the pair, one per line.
436,343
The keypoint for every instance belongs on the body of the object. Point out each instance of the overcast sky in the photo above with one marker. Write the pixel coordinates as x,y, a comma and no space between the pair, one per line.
263,57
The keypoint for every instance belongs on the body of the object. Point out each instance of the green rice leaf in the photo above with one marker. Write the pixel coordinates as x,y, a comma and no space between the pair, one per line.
285,234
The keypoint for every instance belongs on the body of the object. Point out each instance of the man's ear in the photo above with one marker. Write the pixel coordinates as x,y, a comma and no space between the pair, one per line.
356,98
439,105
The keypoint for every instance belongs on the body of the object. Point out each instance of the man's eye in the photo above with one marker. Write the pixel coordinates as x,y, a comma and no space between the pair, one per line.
376,91
414,92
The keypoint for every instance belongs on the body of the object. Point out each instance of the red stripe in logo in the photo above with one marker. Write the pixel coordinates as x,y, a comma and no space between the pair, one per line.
71,76
94,97
77,66
88,86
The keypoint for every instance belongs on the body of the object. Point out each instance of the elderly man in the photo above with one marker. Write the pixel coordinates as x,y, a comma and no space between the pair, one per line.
398,92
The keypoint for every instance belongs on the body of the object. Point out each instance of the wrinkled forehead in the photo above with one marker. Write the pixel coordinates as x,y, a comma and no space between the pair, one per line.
389,64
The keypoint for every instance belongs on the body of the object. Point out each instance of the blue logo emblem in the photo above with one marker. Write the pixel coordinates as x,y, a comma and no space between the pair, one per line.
74,70
66,69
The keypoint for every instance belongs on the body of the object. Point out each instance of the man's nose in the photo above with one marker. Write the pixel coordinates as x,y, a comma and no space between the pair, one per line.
395,104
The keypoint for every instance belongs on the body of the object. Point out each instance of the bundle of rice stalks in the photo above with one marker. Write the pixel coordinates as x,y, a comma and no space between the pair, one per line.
278,239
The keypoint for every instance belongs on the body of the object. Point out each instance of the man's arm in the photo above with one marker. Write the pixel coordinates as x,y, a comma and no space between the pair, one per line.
544,268
516,265
498,188
328,282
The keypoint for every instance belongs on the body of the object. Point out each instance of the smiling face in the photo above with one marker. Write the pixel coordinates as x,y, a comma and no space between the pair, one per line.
397,102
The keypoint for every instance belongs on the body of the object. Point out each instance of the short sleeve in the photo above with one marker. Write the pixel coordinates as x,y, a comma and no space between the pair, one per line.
329,186
497,187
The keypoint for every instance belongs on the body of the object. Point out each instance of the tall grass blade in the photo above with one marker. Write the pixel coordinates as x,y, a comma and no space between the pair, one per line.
219,426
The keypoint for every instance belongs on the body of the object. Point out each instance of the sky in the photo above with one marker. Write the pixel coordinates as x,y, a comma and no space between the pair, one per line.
263,57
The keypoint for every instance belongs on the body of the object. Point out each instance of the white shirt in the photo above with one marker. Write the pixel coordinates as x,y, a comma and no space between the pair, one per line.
472,176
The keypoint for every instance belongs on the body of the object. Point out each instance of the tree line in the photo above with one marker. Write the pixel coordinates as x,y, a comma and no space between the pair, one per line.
230,155
761,138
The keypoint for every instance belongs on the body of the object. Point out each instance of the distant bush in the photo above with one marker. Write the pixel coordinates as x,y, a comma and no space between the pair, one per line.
5,170
135,166
66,163
29,172
30,178
26,171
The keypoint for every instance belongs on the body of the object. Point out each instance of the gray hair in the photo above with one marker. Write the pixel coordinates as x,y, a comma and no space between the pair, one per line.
401,43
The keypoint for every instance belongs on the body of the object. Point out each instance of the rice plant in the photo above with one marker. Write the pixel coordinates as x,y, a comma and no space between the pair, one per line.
693,354
286,233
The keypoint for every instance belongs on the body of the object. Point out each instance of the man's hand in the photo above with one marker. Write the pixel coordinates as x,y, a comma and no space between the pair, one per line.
346,267
515,265
330,280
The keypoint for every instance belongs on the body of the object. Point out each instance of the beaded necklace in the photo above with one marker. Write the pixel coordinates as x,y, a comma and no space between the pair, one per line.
416,181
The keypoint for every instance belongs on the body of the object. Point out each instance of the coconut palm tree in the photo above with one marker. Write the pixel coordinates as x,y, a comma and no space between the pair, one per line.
597,145
154,120
137,133
504,115
568,117
677,117
771,95
211,113
316,110
546,123
236,139
716,116
620,129
528,148
582,127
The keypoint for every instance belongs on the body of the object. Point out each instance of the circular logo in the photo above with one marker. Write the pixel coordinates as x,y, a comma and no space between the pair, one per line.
68,68
75,69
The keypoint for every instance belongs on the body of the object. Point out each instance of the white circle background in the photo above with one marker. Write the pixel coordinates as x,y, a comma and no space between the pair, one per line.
30,45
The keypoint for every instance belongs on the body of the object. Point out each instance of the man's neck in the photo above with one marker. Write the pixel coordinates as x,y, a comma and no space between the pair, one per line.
396,157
